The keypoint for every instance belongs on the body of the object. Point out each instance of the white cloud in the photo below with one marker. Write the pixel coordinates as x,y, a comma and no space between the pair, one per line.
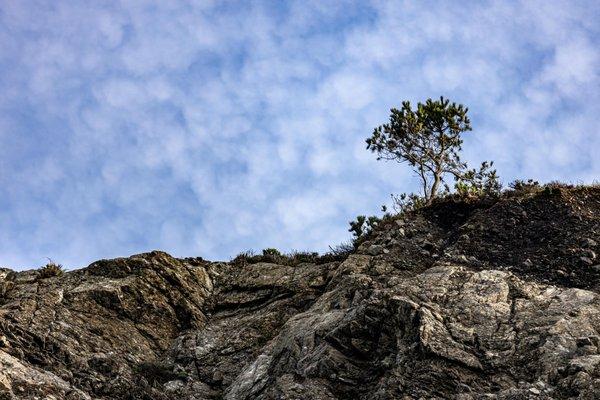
204,129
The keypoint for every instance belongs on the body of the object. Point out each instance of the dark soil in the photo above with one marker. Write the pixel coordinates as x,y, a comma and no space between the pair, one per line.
549,236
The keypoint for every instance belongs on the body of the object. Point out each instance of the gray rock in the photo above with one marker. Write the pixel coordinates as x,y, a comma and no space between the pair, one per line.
174,386
586,260
348,330
375,249
587,253
473,323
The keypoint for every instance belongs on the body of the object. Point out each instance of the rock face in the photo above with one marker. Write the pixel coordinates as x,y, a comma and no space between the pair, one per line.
457,301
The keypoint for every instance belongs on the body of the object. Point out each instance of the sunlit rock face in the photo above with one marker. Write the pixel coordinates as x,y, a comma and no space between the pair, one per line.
463,300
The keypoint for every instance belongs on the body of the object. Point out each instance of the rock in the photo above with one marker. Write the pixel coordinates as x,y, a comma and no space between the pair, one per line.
474,322
587,242
435,329
535,391
18,380
375,249
587,253
586,260
462,258
174,386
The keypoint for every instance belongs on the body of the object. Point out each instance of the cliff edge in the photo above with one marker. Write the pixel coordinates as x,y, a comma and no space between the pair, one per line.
495,299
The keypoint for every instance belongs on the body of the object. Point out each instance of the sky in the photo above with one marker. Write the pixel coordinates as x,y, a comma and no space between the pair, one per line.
207,128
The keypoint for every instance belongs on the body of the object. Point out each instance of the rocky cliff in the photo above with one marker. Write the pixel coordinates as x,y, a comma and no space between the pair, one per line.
462,300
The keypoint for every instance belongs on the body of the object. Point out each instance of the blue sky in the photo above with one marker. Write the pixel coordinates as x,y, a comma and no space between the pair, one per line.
208,128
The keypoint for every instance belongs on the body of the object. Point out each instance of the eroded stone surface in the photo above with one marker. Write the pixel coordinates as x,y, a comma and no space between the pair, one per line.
439,314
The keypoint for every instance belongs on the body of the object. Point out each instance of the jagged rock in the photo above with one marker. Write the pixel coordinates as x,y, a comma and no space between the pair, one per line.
375,250
586,260
587,242
21,381
589,254
472,321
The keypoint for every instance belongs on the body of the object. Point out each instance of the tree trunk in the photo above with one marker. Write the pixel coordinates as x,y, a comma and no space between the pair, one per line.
437,178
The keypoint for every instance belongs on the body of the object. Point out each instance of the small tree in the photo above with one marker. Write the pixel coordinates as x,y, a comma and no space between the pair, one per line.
363,225
484,182
428,139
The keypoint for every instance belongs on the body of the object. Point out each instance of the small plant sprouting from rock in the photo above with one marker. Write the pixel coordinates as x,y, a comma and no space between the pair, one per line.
363,225
49,270
341,250
294,258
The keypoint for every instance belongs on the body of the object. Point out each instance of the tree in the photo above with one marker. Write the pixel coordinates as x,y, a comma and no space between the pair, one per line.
363,225
428,139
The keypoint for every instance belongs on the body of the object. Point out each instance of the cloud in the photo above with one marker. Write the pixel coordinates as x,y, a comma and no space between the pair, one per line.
209,128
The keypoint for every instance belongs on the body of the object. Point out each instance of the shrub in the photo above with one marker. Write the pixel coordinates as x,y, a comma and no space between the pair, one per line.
271,252
294,258
362,226
520,186
341,250
484,182
407,202
297,257
49,270
243,258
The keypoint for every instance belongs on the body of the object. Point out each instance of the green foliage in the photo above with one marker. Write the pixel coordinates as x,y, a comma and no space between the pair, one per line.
555,187
243,258
484,182
271,252
294,258
428,139
356,226
49,270
303,256
529,186
407,202
362,226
